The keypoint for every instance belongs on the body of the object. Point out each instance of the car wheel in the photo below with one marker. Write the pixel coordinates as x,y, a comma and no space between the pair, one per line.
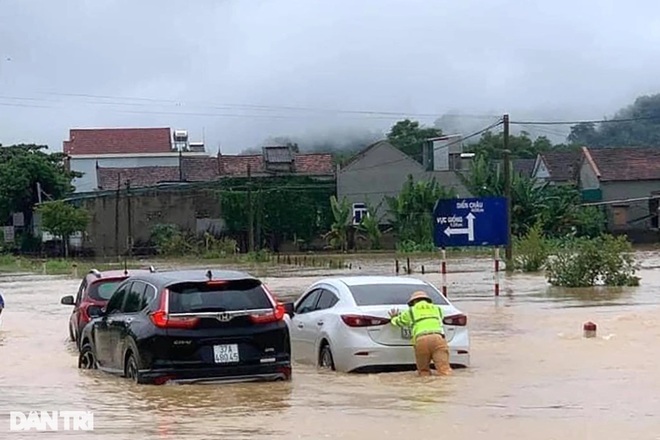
325,358
87,359
131,369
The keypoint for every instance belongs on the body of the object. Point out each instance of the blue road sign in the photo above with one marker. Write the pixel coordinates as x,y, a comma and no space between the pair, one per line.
470,222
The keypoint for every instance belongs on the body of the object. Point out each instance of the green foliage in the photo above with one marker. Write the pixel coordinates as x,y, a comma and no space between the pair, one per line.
412,210
409,137
532,250
21,167
643,131
342,220
370,225
62,219
411,247
260,256
585,262
556,207
171,241
285,208
521,146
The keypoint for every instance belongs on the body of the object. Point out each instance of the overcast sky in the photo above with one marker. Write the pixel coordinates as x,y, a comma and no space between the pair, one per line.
243,70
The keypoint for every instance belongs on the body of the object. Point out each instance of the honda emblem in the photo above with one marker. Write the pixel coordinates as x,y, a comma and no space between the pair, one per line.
224,317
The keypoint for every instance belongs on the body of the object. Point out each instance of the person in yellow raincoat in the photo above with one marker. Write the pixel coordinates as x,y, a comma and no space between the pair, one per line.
428,337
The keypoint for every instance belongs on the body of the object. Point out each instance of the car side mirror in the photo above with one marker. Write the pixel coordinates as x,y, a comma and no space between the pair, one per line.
288,308
68,300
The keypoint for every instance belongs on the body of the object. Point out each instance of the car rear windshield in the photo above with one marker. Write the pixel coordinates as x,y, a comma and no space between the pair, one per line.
392,294
103,290
230,296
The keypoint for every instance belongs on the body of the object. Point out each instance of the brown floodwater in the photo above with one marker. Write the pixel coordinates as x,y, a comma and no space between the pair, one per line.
533,375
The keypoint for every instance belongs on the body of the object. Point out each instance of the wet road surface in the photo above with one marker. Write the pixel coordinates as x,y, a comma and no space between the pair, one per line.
533,375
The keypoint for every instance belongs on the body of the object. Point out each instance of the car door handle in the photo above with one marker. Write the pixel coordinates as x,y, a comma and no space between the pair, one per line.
300,326
319,323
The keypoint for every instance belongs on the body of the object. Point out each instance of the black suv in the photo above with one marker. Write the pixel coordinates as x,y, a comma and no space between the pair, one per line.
189,326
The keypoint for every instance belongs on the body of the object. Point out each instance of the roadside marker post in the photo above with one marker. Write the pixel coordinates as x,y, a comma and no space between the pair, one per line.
443,270
497,271
471,222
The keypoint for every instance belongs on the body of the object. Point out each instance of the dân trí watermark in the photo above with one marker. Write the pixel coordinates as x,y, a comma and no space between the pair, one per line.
51,421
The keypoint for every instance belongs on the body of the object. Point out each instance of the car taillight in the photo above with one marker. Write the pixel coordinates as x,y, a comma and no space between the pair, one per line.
162,319
457,320
363,321
84,316
276,315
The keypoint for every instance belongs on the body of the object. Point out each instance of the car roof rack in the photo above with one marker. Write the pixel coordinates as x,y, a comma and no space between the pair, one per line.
96,273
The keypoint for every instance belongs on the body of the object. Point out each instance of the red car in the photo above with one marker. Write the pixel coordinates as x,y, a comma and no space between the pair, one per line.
94,292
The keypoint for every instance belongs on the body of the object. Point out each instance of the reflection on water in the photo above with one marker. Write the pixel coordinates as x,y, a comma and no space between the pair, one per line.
533,375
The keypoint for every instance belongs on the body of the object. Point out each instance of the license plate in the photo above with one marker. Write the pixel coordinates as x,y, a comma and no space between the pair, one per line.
406,333
225,354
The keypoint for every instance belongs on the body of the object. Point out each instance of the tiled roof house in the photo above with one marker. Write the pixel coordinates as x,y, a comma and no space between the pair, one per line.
272,161
625,180
559,166
104,141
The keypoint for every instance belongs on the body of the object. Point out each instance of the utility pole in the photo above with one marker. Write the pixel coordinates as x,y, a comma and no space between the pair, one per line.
506,156
129,219
117,197
39,192
250,211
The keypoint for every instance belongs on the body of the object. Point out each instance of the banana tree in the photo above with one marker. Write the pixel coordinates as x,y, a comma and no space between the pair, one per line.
370,225
342,220
412,209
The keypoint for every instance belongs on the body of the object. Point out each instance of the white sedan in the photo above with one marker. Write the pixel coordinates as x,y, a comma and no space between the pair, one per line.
342,323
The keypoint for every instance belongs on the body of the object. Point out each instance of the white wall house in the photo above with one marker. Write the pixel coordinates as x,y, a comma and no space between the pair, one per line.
121,148
87,164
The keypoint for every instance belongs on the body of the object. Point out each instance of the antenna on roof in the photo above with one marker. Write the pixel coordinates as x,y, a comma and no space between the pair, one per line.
152,269
125,266
209,275
96,273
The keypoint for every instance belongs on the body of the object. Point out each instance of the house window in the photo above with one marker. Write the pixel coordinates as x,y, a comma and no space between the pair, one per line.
359,212
620,216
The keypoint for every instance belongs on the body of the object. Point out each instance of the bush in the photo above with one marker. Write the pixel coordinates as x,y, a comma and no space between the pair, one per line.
170,240
532,250
410,247
583,262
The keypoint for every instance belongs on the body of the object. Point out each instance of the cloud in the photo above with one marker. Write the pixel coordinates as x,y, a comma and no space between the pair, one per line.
241,71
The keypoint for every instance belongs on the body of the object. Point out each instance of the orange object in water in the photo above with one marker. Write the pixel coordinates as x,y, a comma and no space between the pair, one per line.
589,330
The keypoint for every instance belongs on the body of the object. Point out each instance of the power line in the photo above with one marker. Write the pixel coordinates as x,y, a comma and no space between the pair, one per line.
142,102
594,121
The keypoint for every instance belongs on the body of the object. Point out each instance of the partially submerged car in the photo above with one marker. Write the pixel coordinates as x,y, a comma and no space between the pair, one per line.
93,294
342,324
189,327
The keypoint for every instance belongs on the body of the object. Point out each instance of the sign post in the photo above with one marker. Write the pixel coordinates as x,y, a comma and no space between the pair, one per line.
471,222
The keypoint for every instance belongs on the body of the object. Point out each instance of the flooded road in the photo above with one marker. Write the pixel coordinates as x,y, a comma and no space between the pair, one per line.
533,376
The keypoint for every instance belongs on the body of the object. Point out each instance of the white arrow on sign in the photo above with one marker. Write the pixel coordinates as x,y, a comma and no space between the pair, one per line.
469,231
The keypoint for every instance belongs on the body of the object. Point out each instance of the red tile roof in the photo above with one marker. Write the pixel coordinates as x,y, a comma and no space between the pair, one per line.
304,164
625,163
118,141
139,177
200,169
208,169
562,165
